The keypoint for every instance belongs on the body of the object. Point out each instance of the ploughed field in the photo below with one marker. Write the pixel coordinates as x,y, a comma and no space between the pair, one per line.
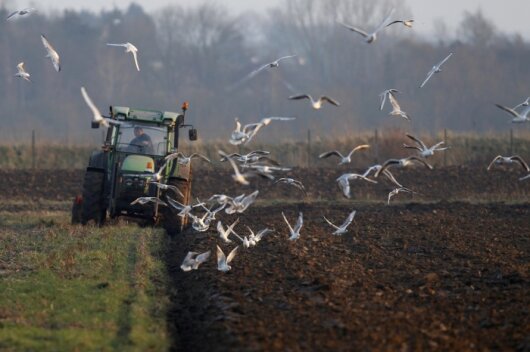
448,268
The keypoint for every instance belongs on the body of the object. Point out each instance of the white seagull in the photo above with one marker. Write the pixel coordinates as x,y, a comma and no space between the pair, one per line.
518,117
255,238
183,209
241,203
273,64
185,160
422,148
387,173
223,234
52,54
370,37
129,48
193,260
402,163
295,233
342,229
499,159
22,12
292,182
97,117
398,190
345,159
22,73
385,94
316,104
223,261
344,182
145,200
435,69
396,109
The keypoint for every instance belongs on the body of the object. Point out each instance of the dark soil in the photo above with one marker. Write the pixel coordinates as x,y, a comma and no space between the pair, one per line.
448,276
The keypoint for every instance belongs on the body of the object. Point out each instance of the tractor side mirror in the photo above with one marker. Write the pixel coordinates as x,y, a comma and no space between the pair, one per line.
94,124
192,133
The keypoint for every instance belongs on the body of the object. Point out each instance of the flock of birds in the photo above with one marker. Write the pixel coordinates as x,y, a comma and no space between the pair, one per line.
260,163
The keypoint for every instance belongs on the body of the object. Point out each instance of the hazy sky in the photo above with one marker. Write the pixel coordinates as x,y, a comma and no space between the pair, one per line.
508,15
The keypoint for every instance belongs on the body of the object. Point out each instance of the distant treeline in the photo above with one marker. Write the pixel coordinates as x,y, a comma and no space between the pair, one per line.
201,53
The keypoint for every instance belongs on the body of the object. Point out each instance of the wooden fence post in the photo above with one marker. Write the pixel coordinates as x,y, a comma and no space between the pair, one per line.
445,144
308,148
33,162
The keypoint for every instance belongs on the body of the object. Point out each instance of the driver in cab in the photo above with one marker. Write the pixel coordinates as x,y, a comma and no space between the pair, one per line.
141,142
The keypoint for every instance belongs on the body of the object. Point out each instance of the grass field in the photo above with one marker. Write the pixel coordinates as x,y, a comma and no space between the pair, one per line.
72,288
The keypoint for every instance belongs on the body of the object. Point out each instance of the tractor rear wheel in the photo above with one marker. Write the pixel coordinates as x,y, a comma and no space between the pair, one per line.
172,223
93,205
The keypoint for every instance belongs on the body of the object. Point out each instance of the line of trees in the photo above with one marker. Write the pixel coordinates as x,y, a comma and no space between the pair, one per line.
199,53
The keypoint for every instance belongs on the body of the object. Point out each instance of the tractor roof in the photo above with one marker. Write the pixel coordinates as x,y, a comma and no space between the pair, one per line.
142,115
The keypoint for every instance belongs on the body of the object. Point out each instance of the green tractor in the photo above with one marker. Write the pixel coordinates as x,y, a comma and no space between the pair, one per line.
134,149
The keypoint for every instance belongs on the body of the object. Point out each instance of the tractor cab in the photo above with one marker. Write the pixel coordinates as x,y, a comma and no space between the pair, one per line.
134,149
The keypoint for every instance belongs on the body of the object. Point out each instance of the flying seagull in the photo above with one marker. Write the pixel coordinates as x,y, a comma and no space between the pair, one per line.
97,118
396,109
344,182
237,176
342,229
52,54
193,260
273,64
499,159
345,159
129,48
295,233
165,186
223,234
145,200
396,191
422,148
316,104
402,163
223,261
255,127
435,69
517,117
22,73
370,37
291,181
22,12
185,160
524,103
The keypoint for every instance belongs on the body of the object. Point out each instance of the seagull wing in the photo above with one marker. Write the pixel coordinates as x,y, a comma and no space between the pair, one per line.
359,147
328,154
221,258
421,161
201,258
97,114
349,219
12,14
493,162
197,155
508,110
386,164
391,177
429,75
394,102
385,22
285,57
383,100
330,100
329,222
444,60
122,45
521,161
232,254
417,140
299,222
354,29
301,96
135,56
289,225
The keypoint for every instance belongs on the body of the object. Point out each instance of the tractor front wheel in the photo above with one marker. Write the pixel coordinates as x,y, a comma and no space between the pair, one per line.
172,223
93,205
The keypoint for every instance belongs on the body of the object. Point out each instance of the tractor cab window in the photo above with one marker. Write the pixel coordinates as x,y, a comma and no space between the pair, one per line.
142,139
